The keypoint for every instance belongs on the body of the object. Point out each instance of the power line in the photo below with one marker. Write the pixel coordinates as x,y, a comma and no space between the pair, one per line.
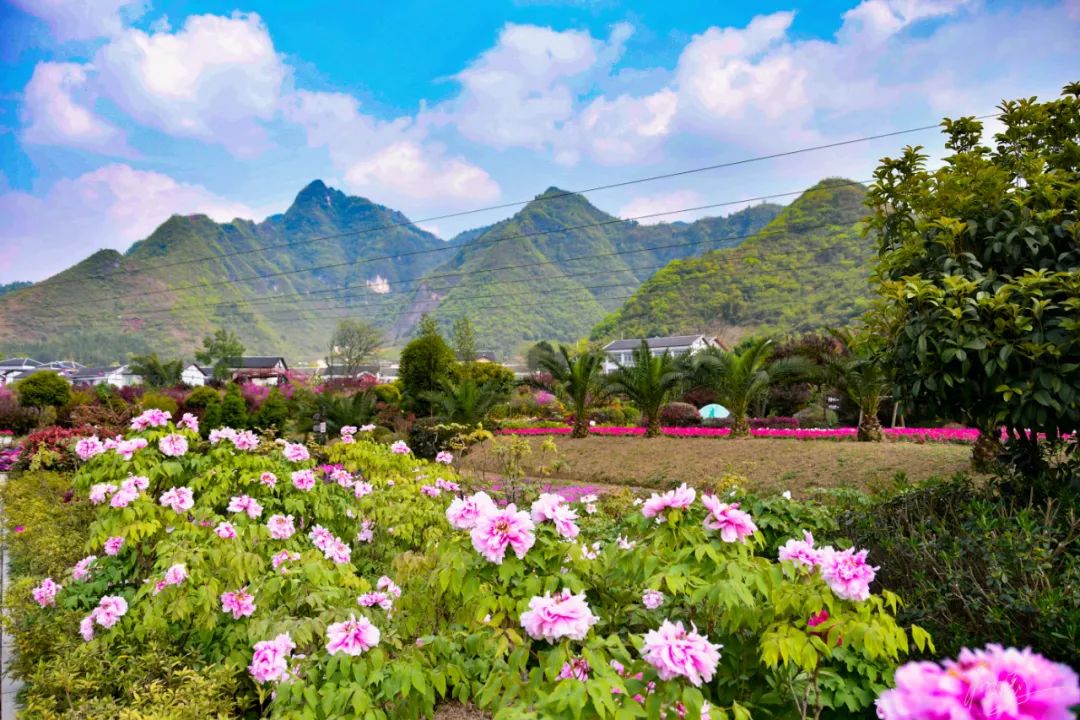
517,203
492,241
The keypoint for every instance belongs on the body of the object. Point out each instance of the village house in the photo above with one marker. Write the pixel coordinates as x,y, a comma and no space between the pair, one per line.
621,352
266,370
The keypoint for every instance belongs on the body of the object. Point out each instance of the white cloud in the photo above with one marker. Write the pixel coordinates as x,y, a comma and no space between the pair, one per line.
407,169
56,106
216,79
83,19
664,202
112,206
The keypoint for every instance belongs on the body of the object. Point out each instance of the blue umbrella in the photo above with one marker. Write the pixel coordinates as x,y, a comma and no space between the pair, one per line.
714,412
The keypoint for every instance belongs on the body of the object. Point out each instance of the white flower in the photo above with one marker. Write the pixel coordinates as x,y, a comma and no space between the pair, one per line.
786,495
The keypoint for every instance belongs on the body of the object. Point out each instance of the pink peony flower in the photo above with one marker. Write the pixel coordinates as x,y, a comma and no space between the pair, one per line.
127,448
100,492
385,583
245,440
338,552
45,593
245,504
303,479
576,669
281,527
625,543
550,506
180,499
176,574
126,495
800,552
225,531
283,557
190,422
270,661
362,488
652,599
173,445
463,512
847,573
268,479
552,618
151,418
673,651
400,448
348,431
678,499
733,524
367,532
372,599
135,482
294,452
430,490
81,571
86,628
993,683
113,545
447,485
239,603
321,537
352,637
495,530
367,428
342,477
109,610
87,448
444,457
222,433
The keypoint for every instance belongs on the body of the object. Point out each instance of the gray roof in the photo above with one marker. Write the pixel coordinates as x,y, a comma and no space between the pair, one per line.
656,343
253,362
19,362
95,372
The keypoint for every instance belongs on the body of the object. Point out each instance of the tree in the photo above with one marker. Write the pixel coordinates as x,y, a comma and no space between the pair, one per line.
536,353
862,374
353,344
648,382
464,339
979,272
424,362
466,402
427,326
222,351
43,389
157,374
577,378
274,411
234,412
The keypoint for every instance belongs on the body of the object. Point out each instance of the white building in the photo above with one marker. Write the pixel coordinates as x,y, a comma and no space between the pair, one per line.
621,352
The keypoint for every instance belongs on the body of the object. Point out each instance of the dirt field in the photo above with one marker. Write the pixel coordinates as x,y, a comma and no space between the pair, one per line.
770,465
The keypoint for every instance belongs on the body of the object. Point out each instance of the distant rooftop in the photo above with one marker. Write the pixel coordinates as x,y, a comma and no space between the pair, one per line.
655,343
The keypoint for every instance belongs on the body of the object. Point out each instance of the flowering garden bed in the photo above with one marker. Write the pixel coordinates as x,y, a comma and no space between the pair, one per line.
956,435
357,581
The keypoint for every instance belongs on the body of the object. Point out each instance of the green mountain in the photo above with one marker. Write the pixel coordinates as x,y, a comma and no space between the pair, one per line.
283,284
807,269
13,286
559,265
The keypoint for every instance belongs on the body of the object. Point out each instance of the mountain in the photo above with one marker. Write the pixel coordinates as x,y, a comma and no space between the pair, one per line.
552,270
13,286
556,267
808,268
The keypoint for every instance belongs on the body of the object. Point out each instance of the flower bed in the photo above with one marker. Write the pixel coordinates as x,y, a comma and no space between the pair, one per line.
355,580
958,435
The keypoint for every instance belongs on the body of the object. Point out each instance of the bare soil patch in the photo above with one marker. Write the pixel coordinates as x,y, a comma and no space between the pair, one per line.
770,465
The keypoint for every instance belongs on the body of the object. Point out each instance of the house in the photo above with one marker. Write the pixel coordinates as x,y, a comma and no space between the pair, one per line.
365,373
115,375
15,366
23,373
268,370
620,352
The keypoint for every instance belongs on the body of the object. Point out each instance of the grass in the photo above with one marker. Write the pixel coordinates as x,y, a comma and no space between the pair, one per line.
770,465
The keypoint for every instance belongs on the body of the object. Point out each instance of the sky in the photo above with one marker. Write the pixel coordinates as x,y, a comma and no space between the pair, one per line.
116,114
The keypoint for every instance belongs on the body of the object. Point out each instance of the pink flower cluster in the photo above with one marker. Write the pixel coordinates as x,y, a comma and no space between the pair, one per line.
496,530
347,432
151,418
733,524
675,651
652,599
846,572
180,499
552,507
334,548
175,575
367,532
678,499
239,603
113,545
464,511
295,452
81,571
126,448
173,445
45,593
352,637
190,422
245,504
108,612
563,615
225,530
87,448
955,435
303,479
283,557
376,598
995,683
444,457
270,661
400,448
281,527
801,553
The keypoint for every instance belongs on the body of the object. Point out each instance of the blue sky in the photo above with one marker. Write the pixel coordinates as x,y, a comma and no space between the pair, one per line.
115,114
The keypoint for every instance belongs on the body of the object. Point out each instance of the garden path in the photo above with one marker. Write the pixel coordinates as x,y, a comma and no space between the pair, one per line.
9,688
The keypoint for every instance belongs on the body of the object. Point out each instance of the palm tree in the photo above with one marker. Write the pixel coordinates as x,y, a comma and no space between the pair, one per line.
739,378
464,402
339,411
577,378
648,382
866,382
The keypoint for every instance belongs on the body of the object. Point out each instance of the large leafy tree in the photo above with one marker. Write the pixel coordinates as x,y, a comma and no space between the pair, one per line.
43,389
354,343
154,372
980,272
464,339
648,381
578,379
425,362
222,351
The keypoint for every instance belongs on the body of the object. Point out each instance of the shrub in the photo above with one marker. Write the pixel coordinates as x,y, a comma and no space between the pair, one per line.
977,565
107,419
54,523
51,448
485,373
131,393
274,411
43,389
14,417
200,397
160,401
424,362
233,408
388,393
679,414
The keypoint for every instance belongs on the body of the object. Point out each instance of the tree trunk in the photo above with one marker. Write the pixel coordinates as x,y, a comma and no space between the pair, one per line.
652,428
985,451
870,428
581,426
740,426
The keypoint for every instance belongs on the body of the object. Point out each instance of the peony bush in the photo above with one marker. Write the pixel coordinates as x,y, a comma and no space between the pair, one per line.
355,580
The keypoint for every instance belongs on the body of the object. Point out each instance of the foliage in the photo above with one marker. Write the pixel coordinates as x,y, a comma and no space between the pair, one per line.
648,381
273,413
739,378
201,397
53,521
13,416
980,271
339,411
234,412
425,361
679,414
158,400
463,339
50,448
354,343
465,402
536,353
222,351
497,375
576,377
43,389
154,372
978,564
